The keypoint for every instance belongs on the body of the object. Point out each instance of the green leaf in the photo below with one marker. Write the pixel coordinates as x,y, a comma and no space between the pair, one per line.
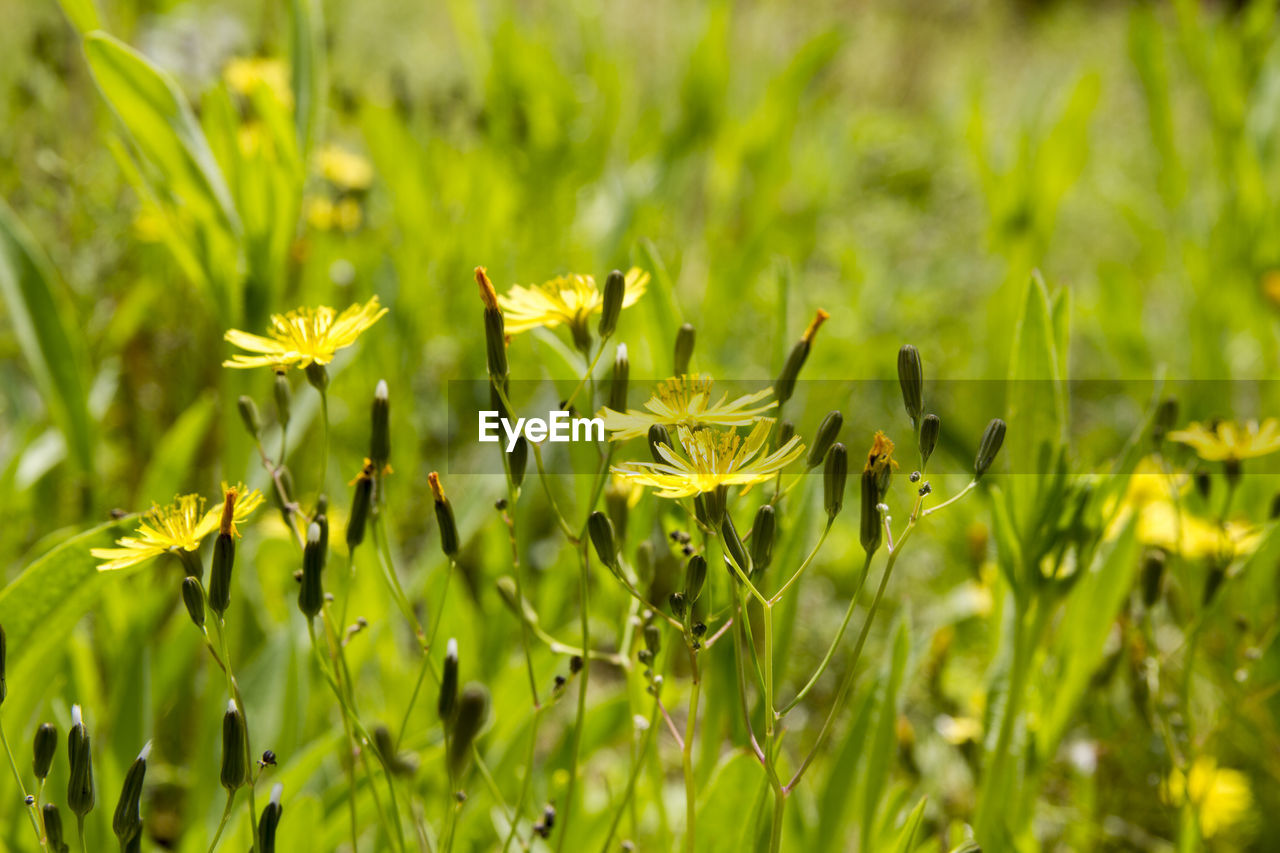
883,745
722,823
307,63
907,837
28,285
82,14
175,455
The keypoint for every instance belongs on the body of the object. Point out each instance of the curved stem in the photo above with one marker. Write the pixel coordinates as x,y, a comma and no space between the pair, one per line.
17,777
777,596
580,721
222,824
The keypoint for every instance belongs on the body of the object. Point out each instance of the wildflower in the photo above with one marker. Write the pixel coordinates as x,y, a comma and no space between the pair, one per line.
712,459
246,74
1220,795
344,169
1227,441
304,336
569,299
685,401
880,461
176,528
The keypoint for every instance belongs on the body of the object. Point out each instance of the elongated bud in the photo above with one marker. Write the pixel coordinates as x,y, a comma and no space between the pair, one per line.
270,820
444,516
695,576
224,558
380,434
472,714
80,792
786,430
44,747
870,532
992,438
929,429
828,432
322,518
448,702
495,335
234,765
733,544
658,435
318,375
618,382
653,639
126,823
191,562
678,606
686,336
713,503
518,460
600,528
762,533
615,288
4,651
193,598
1165,417
361,500
53,829
834,475
249,414
284,398
911,378
1153,564
311,592
785,385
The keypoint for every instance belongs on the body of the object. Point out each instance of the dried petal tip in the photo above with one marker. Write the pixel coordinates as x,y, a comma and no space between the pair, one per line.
487,294
277,791
145,752
77,716
380,393
437,491
815,324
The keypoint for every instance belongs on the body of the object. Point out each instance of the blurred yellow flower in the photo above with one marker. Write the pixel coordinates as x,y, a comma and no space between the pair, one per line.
1228,441
686,401
245,74
569,299
1221,796
344,168
304,336
711,459
319,213
182,525
1150,495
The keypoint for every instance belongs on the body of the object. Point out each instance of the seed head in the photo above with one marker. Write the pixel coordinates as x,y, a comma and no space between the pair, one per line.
618,382
270,820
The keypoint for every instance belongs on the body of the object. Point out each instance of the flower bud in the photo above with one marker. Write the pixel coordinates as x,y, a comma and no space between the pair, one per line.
191,562
494,331
929,429
80,793
44,747
224,558
1165,417
678,606
322,518
311,593
518,460
284,398
270,820
380,434
695,576
869,530
249,414
126,823
53,829
733,545
911,378
834,475
685,338
615,288
658,435
1213,582
1153,566
618,382
600,528
653,638
235,766
785,385
762,533
992,438
472,714
713,503
826,436
318,375
193,598
361,500
448,701
786,430
444,516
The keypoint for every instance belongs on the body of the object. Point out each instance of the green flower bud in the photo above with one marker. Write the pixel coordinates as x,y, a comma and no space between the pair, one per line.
694,578
249,414
929,429
495,335
678,606
80,792
618,382
615,288
361,500
1212,583
653,638
235,768
270,820
126,823
311,593
992,438
786,430
191,562
472,714
911,378
658,435
1153,566
600,528
1165,418
284,398
733,545
713,503
785,385
870,530
826,436
444,516
762,533
380,440
448,702
518,460
685,338
193,598
44,747
53,829
318,375
322,518
834,475
224,558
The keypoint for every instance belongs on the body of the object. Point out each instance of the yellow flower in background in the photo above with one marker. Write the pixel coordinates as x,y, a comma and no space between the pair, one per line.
344,168
1221,796
1228,441
180,526
686,401
569,299
712,458
245,74
304,336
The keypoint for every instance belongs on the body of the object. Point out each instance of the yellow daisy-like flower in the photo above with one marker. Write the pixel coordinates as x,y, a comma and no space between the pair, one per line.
1221,796
569,299
711,459
304,336
686,401
180,526
246,74
1227,441
343,168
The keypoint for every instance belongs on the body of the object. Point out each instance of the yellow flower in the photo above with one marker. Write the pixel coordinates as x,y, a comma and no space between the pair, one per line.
711,459
319,213
343,168
245,74
180,526
1220,795
686,401
570,299
1227,441
304,336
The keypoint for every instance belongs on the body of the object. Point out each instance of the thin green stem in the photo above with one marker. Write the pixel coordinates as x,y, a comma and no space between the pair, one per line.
234,687
686,757
17,777
222,824
583,676
807,560
526,781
